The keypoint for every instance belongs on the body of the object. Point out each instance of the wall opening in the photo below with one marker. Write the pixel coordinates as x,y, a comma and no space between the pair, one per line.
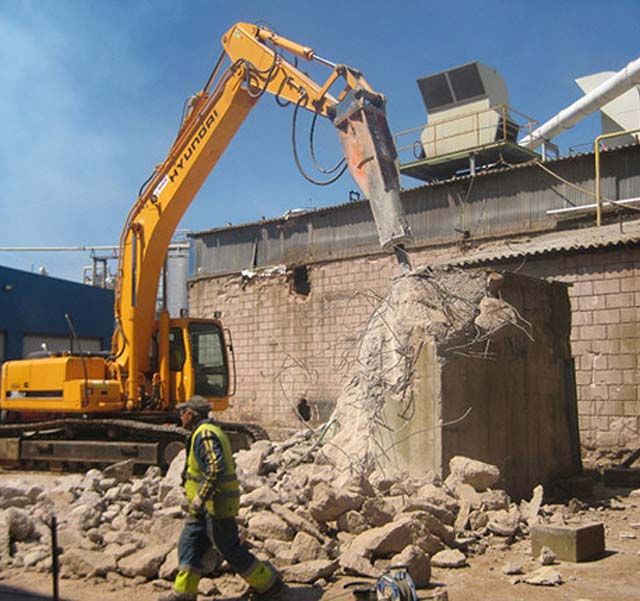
304,411
301,283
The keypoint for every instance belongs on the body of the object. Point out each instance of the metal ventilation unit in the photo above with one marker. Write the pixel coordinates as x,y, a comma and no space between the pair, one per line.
470,123
460,104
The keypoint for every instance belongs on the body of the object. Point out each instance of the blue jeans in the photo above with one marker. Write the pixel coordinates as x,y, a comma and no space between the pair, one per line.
197,537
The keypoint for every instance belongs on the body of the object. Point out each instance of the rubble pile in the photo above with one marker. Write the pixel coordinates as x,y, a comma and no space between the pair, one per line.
311,521
319,504
111,524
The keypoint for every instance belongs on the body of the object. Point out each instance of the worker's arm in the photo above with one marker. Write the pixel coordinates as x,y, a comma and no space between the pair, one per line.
210,458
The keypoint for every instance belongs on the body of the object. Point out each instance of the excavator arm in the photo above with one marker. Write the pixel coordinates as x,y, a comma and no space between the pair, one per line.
213,117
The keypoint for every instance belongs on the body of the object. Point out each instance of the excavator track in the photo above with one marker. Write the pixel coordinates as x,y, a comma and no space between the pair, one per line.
76,443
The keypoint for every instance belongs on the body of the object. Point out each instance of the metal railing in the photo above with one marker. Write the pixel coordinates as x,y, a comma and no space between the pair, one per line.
580,148
508,125
599,203
596,152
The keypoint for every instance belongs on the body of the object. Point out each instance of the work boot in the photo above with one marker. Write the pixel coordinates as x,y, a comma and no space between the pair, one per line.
277,592
173,596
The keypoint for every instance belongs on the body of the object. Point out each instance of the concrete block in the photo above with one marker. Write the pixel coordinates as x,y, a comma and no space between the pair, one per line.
569,543
629,345
607,316
608,376
624,392
600,423
608,439
606,287
622,330
594,393
584,289
596,332
631,408
583,378
591,303
606,347
582,318
629,314
616,301
631,284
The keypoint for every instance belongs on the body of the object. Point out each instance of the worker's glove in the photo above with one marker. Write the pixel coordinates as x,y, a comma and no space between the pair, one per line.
196,507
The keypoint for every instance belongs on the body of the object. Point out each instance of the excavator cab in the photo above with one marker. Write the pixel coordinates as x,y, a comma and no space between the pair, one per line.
199,357
209,359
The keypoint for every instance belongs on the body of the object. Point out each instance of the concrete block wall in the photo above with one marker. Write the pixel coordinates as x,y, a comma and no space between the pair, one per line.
290,346
605,340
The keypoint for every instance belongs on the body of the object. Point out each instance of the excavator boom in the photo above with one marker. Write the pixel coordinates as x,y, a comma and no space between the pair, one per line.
157,362
214,116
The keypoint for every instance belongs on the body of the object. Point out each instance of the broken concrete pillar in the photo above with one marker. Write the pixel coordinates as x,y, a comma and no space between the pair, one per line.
445,368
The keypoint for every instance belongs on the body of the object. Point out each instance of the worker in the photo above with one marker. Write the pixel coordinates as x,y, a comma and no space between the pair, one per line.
213,494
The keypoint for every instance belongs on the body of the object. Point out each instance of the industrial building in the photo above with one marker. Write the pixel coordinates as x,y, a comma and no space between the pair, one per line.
295,291
32,314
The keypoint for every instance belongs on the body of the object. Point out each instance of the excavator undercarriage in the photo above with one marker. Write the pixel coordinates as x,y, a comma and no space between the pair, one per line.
75,443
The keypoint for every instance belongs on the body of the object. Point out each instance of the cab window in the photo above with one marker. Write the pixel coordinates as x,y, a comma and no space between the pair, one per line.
176,350
209,360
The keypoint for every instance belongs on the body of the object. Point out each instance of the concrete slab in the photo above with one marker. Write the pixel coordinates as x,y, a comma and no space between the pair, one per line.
569,543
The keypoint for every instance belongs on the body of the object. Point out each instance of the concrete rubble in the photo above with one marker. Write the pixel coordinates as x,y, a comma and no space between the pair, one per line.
321,504
120,528
427,382
546,576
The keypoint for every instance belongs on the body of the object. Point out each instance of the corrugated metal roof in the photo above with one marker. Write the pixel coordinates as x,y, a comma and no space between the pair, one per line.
294,215
627,232
512,204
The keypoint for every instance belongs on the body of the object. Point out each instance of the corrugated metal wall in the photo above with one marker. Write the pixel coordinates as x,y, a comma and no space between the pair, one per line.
494,203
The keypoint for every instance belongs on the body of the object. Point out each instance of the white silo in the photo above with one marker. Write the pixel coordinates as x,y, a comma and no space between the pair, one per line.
176,278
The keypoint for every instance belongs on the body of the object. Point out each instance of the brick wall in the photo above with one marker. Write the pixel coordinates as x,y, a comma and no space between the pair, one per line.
605,302
290,346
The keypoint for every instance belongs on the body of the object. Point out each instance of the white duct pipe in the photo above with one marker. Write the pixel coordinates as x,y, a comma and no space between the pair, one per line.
617,84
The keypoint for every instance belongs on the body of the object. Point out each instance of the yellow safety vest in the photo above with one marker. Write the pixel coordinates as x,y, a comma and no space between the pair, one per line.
225,502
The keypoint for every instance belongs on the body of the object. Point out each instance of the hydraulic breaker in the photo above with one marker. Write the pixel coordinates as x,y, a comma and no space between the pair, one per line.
368,147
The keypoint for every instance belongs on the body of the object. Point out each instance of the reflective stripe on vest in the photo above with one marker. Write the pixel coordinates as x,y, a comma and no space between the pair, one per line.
221,478
225,501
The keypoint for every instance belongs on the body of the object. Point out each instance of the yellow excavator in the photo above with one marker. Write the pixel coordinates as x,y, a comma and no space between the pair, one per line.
82,408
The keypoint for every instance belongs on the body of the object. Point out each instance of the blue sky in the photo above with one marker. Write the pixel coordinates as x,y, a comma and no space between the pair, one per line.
91,93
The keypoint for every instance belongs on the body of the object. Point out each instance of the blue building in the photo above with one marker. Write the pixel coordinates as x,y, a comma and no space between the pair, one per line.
32,314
